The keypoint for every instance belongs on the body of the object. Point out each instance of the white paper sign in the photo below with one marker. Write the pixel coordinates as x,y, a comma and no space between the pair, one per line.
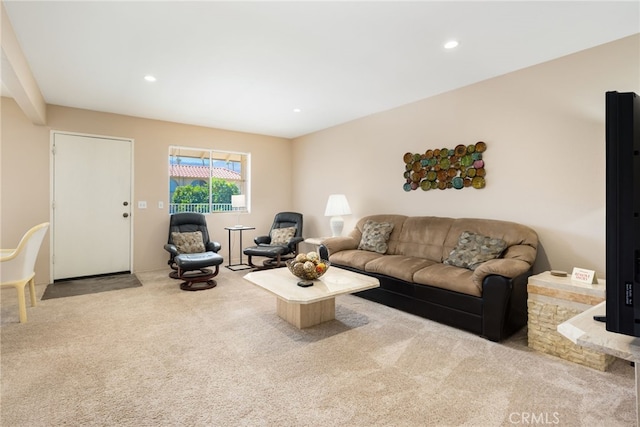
584,276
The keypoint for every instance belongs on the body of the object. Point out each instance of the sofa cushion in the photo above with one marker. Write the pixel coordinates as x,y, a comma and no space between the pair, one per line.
354,258
375,236
448,277
281,236
473,249
188,243
398,266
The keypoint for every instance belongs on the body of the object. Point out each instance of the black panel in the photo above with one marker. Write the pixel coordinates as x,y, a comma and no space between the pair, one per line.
462,302
623,212
390,299
450,316
517,316
489,316
398,286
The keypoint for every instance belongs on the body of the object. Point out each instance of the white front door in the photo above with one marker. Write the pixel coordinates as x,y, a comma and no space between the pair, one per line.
91,205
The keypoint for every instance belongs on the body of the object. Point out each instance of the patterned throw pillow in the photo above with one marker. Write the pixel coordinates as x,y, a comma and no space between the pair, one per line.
188,243
474,249
281,236
375,236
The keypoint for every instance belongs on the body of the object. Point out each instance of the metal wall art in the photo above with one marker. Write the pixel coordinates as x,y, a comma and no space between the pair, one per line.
444,168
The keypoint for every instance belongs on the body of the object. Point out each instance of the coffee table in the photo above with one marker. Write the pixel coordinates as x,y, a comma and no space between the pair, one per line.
305,307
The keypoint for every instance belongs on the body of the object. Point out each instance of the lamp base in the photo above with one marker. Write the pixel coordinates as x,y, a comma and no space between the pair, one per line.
336,223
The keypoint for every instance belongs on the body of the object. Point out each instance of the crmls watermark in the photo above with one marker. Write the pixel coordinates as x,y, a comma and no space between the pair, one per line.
534,418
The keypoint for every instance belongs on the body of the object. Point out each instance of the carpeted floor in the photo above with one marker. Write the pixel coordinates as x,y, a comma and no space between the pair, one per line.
155,356
90,285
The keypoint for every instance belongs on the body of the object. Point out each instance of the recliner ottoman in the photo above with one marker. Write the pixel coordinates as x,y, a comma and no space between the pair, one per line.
194,270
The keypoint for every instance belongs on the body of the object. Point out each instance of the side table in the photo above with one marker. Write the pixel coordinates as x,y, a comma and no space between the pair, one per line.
241,265
314,242
553,300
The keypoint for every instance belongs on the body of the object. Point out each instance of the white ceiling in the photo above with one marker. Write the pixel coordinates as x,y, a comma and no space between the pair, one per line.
246,65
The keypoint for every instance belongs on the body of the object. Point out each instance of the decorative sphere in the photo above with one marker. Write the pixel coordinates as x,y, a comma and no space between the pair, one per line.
298,268
308,270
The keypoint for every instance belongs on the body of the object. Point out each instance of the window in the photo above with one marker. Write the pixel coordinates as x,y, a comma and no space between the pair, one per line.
203,181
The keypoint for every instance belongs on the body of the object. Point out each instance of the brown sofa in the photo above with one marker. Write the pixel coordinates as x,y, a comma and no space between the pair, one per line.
420,274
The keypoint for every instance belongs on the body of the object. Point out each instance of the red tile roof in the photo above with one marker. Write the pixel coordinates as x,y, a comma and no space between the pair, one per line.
188,171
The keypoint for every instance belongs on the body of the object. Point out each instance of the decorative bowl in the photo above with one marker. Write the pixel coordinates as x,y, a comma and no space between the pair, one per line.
308,268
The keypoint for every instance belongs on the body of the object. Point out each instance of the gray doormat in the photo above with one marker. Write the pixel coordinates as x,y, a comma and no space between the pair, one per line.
90,285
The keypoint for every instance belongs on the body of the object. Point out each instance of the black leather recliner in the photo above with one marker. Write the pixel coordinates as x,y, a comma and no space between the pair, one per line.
185,222
198,262
277,253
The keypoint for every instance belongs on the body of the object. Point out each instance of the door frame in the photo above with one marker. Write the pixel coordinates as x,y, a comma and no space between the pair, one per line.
53,133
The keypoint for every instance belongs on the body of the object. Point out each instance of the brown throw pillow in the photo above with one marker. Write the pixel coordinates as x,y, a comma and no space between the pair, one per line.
474,249
375,236
188,243
281,236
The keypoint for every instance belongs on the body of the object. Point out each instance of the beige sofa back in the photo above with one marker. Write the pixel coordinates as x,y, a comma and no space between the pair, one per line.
396,220
433,238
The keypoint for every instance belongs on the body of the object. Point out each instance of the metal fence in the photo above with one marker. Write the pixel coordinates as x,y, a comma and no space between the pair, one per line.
203,208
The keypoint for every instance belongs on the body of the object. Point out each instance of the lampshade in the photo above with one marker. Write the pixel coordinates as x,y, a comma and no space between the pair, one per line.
238,201
337,205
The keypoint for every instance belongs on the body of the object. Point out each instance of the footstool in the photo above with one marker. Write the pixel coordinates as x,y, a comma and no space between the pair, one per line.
273,253
193,269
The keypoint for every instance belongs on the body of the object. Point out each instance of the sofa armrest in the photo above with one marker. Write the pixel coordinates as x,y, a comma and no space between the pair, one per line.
526,253
504,308
507,267
337,244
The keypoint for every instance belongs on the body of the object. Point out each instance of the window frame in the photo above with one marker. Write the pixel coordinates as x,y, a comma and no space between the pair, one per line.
209,158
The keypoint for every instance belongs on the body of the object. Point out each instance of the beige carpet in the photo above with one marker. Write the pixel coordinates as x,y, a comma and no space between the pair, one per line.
155,355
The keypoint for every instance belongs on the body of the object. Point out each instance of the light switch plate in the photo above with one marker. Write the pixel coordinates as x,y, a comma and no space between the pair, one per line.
142,205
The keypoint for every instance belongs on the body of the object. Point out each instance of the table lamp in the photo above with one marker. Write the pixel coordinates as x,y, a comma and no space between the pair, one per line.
238,203
337,206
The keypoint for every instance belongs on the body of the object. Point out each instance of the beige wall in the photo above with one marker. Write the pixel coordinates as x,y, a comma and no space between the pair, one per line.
544,127
25,176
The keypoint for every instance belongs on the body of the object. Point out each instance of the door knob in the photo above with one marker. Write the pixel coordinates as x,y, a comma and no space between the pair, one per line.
125,204
125,215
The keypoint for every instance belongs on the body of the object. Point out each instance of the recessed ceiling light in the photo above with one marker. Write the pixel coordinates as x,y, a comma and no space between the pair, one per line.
150,78
451,44
296,110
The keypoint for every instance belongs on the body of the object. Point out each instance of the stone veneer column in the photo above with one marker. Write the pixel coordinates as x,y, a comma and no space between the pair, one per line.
553,300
